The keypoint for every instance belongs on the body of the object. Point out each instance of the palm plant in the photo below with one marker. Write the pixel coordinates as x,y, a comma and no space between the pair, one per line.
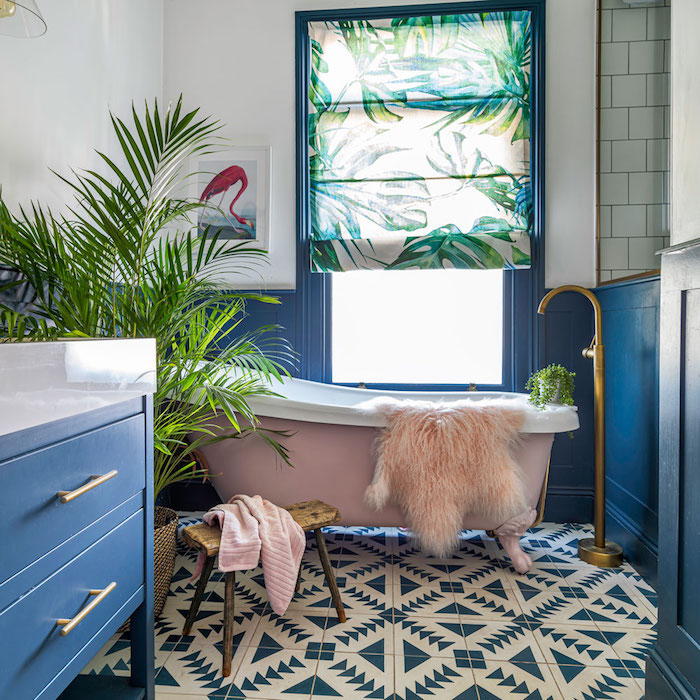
127,260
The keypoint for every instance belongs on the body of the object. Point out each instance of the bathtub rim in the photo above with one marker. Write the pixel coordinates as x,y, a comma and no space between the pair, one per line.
553,420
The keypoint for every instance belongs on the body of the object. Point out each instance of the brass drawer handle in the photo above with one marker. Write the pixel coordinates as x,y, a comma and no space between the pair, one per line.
67,496
100,593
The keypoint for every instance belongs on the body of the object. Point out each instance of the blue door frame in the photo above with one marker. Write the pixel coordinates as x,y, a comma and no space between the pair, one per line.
522,329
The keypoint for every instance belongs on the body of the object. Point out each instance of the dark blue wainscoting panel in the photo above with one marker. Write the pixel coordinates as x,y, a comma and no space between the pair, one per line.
259,314
631,337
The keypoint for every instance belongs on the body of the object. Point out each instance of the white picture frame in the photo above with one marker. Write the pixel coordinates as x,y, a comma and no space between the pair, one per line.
236,182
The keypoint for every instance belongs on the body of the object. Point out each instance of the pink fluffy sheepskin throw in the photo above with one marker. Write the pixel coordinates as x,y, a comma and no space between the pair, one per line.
438,462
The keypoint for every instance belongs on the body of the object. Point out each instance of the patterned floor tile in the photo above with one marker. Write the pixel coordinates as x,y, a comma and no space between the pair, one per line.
492,603
424,571
558,605
578,682
631,645
363,569
434,677
512,641
359,541
311,597
366,634
499,680
479,570
464,627
197,671
114,659
583,646
367,598
417,601
294,630
351,676
625,612
270,673
215,695
429,636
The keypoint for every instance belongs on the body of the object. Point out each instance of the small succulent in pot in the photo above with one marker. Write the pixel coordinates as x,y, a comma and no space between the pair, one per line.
551,385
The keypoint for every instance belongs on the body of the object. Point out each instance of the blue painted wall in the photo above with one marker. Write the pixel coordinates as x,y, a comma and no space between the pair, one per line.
631,337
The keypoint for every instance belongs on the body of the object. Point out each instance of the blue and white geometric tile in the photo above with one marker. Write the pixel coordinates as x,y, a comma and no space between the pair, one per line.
312,597
361,569
267,672
584,646
578,682
478,571
434,677
547,607
630,612
466,626
417,601
429,636
360,634
505,641
499,680
422,570
294,630
631,645
490,603
354,676
197,670
371,597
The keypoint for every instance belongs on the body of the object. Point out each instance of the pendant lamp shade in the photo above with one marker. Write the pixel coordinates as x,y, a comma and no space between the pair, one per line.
21,19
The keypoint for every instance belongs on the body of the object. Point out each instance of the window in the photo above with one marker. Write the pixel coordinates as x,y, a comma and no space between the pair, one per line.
415,134
412,327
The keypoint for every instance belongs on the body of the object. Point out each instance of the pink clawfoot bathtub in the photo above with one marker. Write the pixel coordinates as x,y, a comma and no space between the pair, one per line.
331,450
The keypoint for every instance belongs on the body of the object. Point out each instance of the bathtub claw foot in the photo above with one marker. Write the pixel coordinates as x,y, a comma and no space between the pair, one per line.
509,535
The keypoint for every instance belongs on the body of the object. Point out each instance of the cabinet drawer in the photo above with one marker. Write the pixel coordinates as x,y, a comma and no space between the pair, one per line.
32,649
34,520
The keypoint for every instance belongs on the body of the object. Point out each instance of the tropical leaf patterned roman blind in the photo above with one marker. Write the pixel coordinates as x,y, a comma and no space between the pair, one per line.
419,142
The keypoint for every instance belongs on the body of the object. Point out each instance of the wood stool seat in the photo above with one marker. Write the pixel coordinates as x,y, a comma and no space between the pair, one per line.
310,515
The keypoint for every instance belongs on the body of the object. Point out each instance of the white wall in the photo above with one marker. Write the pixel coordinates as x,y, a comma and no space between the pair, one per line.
57,89
235,59
685,108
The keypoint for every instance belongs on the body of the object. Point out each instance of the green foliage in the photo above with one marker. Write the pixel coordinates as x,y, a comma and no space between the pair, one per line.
127,261
549,383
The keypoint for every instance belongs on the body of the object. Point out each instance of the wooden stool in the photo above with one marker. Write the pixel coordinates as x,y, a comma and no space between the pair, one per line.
311,515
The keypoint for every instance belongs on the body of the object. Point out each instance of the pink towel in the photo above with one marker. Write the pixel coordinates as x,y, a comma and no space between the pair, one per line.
252,528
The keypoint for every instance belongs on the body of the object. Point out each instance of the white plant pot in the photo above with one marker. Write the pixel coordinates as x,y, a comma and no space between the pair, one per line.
556,399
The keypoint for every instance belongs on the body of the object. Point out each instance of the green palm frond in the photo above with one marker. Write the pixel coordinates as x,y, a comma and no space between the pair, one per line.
127,261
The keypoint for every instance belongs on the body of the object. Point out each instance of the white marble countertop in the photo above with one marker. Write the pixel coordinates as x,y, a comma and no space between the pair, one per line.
41,382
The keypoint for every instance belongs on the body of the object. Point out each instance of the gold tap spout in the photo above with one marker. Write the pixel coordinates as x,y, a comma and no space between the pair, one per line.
598,339
596,550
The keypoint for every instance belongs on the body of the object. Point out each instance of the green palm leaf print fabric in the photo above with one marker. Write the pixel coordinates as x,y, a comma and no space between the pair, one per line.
419,142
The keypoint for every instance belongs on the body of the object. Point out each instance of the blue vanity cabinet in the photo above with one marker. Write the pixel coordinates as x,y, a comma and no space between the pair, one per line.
74,569
673,667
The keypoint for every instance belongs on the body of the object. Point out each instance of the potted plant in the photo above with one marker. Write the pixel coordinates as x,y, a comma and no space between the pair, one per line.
553,384
106,269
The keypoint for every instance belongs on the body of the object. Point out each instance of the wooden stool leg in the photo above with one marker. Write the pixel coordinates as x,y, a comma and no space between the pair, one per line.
330,576
198,594
229,594
298,586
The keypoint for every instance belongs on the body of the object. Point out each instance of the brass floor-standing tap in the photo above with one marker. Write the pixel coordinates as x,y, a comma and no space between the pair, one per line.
596,550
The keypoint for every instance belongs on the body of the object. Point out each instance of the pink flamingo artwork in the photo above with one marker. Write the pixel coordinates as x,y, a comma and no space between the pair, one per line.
221,183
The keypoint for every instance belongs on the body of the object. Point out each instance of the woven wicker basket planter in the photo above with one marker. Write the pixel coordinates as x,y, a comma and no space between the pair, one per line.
164,551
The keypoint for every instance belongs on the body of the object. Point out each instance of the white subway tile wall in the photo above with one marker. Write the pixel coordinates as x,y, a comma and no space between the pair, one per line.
635,126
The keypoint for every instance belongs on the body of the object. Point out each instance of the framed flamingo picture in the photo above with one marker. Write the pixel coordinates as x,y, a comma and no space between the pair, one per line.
235,184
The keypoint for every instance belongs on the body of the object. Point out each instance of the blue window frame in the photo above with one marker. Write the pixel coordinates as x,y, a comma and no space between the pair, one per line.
522,332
